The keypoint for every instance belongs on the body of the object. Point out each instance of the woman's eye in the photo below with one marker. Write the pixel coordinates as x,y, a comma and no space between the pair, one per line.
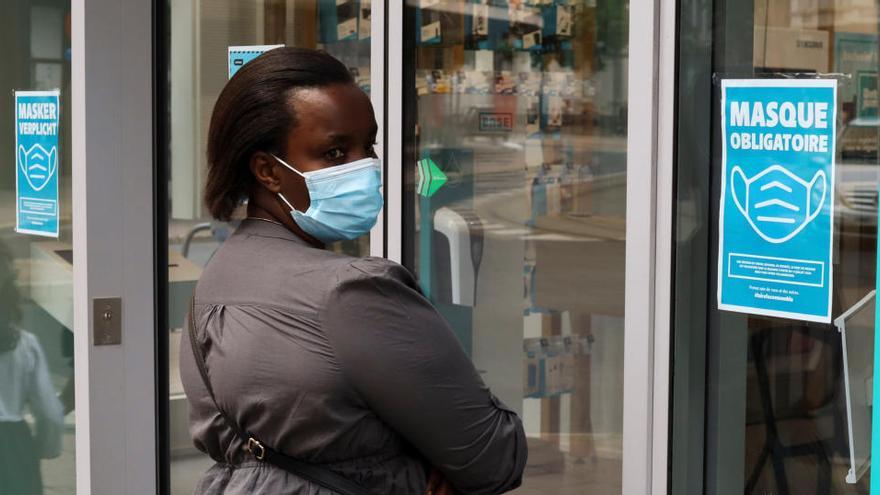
335,154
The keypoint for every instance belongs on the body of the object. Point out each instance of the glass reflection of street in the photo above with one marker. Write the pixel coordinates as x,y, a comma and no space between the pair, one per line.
520,243
36,273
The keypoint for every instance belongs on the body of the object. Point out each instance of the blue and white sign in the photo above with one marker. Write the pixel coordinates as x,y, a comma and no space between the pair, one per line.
37,125
777,197
240,55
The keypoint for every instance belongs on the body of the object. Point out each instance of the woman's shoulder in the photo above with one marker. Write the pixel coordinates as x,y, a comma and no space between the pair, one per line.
373,288
372,272
373,268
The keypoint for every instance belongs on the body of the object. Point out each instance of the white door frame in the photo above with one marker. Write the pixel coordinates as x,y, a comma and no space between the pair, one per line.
650,173
378,91
113,237
394,128
113,243
649,238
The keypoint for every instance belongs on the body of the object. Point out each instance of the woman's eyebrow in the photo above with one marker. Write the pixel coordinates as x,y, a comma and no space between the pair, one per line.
343,137
336,137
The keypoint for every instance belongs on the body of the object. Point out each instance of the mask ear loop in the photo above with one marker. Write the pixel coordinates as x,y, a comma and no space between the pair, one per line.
287,202
288,166
289,205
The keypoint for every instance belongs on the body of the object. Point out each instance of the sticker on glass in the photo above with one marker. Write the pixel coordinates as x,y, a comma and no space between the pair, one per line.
240,55
37,127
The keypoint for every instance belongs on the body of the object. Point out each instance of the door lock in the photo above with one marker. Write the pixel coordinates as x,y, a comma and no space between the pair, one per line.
107,321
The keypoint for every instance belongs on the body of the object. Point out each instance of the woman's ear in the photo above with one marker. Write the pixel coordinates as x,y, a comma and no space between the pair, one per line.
265,169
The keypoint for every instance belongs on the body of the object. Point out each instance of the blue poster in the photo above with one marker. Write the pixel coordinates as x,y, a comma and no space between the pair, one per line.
777,197
36,158
240,55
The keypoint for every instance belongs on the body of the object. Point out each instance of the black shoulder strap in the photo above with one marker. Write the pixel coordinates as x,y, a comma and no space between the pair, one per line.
308,471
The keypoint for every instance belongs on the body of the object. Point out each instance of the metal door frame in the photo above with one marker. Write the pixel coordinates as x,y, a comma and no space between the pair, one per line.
649,237
113,243
378,95
115,219
394,127
118,232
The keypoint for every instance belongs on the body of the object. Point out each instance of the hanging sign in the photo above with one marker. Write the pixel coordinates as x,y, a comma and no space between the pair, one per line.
777,197
37,125
240,55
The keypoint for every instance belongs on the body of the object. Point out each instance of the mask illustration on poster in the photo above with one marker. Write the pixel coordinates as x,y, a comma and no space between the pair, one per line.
777,203
38,165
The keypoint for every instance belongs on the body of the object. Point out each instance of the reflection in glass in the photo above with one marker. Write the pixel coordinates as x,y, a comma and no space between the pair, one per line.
778,407
516,217
795,432
26,390
36,283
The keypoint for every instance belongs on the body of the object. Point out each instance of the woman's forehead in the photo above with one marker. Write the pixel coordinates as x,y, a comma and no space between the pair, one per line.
337,106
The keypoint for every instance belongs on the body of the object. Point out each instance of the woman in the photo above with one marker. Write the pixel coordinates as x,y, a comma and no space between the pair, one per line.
25,386
336,361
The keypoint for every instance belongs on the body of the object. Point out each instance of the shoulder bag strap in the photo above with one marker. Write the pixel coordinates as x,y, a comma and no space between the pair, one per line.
308,471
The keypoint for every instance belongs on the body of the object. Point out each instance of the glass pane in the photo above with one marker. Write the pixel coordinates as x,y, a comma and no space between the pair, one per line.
515,218
787,402
36,281
200,34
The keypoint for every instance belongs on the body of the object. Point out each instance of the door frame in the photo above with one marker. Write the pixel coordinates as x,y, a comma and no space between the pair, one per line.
649,236
394,120
378,95
649,220
116,224
113,246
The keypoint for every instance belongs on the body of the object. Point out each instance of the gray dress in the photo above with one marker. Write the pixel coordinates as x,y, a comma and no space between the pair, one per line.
339,361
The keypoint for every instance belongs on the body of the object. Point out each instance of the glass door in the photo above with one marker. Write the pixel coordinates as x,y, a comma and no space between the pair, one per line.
764,402
514,212
206,41
37,453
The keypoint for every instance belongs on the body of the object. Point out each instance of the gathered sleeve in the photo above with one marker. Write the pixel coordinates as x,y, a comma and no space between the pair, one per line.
403,359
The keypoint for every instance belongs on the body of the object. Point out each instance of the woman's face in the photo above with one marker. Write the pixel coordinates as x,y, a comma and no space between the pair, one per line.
334,125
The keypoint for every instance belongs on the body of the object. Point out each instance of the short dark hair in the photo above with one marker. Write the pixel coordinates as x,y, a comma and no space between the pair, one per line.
253,113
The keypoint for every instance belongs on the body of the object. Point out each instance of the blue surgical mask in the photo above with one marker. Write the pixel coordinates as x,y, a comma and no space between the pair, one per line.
345,200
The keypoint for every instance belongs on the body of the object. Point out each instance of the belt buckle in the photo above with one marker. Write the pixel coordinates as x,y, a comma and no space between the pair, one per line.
255,448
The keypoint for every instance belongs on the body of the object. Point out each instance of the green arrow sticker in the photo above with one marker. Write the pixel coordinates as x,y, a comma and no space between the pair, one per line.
431,178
